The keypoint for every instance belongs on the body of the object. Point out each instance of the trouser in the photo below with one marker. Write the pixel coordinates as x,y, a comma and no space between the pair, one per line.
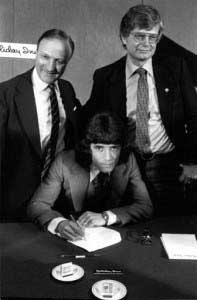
161,174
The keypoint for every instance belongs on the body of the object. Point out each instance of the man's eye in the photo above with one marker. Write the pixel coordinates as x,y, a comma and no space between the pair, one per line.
45,56
140,36
99,148
61,62
153,37
116,148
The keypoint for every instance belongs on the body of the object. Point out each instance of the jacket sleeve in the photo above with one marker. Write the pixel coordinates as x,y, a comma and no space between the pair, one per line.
136,201
40,208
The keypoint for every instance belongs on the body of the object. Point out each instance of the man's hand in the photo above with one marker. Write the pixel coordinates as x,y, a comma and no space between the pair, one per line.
189,174
70,230
91,219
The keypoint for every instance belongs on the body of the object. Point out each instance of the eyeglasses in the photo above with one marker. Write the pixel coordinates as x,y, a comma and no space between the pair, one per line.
140,37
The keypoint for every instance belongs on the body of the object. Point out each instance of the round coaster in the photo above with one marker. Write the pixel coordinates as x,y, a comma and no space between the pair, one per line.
109,289
78,273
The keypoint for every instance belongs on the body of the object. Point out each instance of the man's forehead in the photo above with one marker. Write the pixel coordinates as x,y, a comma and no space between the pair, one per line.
153,30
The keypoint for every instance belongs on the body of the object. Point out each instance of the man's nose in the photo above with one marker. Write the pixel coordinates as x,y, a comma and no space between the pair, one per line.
51,65
146,40
107,154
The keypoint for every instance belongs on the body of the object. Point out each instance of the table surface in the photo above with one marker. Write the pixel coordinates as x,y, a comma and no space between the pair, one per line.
28,255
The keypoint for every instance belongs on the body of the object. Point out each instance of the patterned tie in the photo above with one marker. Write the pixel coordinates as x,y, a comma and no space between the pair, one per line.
142,138
49,153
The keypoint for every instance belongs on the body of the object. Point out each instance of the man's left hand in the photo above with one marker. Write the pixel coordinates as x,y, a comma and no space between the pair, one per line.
91,219
189,174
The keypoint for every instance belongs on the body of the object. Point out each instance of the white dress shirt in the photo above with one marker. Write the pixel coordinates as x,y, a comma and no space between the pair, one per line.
159,140
43,107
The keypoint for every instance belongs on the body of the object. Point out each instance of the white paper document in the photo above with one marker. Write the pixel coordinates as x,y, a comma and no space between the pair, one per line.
98,238
180,246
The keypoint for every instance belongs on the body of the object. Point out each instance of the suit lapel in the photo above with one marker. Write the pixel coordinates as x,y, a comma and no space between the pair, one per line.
26,107
117,87
164,86
79,181
68,105
118,185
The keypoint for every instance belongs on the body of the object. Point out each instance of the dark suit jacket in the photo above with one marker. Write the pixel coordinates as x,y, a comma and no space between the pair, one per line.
128,197
20,149
176,96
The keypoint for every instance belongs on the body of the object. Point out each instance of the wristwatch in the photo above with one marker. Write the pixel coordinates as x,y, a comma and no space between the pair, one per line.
105,217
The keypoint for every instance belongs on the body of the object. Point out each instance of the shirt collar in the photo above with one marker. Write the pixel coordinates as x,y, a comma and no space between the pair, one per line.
93,172
131,67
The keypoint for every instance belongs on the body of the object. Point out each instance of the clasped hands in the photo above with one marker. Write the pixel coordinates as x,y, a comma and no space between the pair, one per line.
72,230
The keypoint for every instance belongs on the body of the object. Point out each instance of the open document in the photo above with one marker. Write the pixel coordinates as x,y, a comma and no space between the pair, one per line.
180,246
98,238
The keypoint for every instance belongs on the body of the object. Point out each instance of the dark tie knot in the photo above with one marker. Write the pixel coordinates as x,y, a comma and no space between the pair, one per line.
141,71
103,177
51,87
101,180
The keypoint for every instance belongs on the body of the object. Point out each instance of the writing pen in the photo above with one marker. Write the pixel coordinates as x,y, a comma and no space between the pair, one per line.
82,235
73,219
79,255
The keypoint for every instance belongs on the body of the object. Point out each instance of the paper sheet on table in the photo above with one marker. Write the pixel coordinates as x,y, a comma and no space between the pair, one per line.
98,238
180,246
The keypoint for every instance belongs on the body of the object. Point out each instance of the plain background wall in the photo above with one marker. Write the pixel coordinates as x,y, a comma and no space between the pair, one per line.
93,25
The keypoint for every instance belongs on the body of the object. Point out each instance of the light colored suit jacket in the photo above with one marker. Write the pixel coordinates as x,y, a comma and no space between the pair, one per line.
128,199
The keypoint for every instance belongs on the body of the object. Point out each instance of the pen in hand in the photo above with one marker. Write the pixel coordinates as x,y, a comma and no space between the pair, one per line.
79,225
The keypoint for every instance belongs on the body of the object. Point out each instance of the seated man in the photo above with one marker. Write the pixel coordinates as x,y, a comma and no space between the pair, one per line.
118,198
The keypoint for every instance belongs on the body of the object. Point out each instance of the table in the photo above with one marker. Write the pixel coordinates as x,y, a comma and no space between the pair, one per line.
29,254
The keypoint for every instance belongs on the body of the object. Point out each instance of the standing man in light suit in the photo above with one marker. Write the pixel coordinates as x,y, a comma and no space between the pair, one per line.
30,104
168,157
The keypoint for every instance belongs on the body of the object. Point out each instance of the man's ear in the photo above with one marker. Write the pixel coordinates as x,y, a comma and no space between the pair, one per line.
124,41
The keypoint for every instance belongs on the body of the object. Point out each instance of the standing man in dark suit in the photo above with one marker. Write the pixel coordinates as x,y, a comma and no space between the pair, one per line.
38,118
168,127
101,182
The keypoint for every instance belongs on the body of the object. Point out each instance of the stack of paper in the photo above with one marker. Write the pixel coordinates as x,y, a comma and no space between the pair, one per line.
180,246
98,238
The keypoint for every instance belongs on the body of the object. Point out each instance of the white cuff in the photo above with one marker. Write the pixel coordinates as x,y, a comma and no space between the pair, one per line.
112,218
53,224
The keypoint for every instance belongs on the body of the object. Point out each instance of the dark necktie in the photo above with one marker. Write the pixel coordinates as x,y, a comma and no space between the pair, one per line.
97,192
142,138
101,182
49,153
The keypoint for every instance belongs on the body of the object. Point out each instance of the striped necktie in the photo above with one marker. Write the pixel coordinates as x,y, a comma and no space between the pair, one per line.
142,137
49,153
